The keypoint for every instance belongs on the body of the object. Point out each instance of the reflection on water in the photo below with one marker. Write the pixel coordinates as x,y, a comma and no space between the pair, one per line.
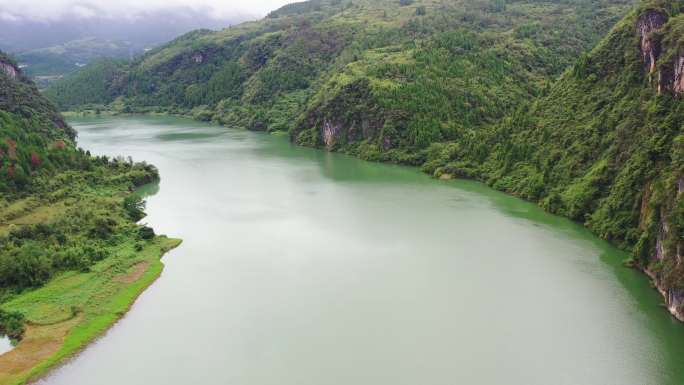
301,267
5,344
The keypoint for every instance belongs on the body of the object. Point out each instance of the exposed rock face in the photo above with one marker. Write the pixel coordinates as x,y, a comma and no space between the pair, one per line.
671,76
675,303
661,253
650,48
198,57
676,296
9,70
331,132
678,84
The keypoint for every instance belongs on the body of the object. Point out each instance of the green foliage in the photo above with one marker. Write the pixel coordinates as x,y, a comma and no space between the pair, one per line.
55,61
433,68
483,89
80,216
12,324
601,146
145,233
84,230
135,207
23,266
96,83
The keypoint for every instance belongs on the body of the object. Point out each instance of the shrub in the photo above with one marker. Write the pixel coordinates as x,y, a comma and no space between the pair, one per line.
146,232
134,206
12,324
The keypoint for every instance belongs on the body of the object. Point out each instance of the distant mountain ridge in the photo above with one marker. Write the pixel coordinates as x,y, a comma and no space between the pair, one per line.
47,50
22,34
510,93
55,61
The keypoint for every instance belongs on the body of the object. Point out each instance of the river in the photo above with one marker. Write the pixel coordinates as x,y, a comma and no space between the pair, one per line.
302,267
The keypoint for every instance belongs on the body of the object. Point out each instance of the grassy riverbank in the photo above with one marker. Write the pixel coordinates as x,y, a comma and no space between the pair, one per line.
77,307
99,258
73,256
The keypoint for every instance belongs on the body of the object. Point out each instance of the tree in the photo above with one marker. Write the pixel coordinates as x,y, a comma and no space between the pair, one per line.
35,160
135,207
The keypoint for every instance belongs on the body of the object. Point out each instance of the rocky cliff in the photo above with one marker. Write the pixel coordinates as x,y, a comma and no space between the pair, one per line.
663,57
20,96
9,69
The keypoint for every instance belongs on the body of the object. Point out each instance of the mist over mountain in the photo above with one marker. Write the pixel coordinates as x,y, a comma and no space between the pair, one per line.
22,34
48,48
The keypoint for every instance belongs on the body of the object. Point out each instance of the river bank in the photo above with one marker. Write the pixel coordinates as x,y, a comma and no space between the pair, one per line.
673,308
79,260
301,266
96,300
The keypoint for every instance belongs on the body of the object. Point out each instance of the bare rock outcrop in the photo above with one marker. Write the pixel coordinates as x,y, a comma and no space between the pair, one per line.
648,23
330,133
8,69
671,76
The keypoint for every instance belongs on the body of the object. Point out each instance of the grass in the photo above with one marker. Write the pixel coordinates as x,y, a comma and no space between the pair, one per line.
76,307
91,258
28,211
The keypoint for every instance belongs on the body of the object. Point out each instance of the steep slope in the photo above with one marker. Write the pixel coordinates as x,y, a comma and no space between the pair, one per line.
45,65
93,84
464,89
31,129
292,70
68,233
604,147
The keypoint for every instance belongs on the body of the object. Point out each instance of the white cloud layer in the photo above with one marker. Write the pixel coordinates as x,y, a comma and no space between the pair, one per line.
57,9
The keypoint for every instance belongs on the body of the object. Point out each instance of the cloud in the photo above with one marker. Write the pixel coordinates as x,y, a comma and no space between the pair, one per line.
6,16
47,10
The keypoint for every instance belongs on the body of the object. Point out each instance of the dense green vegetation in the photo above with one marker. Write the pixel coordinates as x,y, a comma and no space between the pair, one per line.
66,57
84,226
91,85
46,65
603,147
506,92
72,257
283,72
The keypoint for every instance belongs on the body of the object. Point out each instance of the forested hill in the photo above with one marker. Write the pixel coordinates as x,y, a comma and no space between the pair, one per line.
507,92
433,68
32,131
68,233
18,95
604,146
53,216
35,141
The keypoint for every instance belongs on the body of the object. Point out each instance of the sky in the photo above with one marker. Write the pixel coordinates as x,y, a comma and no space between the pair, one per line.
51,10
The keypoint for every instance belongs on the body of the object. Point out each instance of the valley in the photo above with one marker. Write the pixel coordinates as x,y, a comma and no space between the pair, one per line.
367,191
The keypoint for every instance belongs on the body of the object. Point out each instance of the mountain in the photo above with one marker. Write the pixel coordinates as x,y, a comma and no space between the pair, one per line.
606,145
61,209
45,64
141,29
31,125
283,72
48,49
507,92
68,233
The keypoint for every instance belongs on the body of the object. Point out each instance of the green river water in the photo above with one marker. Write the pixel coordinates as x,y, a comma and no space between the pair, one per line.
302,267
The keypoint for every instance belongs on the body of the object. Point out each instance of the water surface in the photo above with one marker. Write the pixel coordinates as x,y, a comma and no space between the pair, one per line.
301,267
5,344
